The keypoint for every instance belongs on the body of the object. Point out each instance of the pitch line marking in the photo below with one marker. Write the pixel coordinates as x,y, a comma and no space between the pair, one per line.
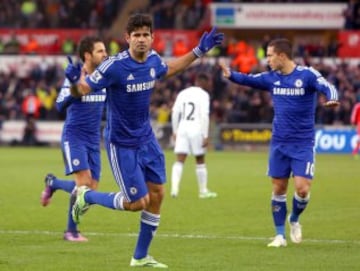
180,236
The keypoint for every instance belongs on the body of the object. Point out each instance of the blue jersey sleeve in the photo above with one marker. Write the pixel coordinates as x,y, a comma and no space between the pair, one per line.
162,67
252,80
319,83
97,80
101,78
64,99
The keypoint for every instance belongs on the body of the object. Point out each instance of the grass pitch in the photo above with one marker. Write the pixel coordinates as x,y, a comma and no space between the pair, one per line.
227,233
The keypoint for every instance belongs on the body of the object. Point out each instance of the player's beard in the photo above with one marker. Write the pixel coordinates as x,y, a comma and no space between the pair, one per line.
141,51
142,48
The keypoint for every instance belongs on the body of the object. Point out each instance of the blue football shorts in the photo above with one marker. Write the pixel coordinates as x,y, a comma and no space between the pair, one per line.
133,167
80,156
296,159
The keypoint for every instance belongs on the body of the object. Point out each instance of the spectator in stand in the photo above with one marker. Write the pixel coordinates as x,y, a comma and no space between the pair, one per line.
163,114
68,46
2,46
179,47
31,106
114,46
28,12
12,46
29,136
352,15
32,47
245,58
355,120
194,14
47,95
159,45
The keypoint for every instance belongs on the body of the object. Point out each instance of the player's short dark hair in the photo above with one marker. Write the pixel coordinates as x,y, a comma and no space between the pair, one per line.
137,21
86,45
203,80
202,76
282,45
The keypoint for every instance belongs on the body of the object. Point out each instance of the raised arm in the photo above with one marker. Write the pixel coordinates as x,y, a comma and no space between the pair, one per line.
252,80
206,43
76,75
325,87
65,97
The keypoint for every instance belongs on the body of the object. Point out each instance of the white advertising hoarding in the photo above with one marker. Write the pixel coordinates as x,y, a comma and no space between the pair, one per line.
46,131
278,15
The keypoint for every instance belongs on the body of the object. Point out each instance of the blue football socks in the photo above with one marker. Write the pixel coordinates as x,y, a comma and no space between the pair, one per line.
279,210
148,225
100,198
71,225
65,185
299,205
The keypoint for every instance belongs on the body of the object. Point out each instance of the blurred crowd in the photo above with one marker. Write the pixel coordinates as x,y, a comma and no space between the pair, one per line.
58,13
100,14
31,90
232,103
167,14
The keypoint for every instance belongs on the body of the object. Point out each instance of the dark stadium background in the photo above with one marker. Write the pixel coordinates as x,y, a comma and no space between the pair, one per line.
36,35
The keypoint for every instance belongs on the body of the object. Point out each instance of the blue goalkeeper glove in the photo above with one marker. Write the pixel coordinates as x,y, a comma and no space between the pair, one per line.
73,71
208,41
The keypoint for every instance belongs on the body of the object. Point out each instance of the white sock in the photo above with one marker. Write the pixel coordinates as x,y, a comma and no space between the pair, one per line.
176,174
201,173
118,201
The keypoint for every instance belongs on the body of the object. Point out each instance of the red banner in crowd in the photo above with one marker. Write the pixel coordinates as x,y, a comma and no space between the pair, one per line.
349,44
171,41
49,40
46,38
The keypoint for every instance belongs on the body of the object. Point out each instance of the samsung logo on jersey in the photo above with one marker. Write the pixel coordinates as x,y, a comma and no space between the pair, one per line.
140,86
289,91
93,98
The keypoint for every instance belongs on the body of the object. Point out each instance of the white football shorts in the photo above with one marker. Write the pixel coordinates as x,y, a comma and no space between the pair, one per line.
189,143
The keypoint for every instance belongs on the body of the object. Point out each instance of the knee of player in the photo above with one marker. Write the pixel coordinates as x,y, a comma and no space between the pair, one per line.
303,192
200,159
140,204
94,184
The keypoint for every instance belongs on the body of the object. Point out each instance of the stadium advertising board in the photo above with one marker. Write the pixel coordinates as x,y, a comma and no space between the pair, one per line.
335,139
234,134
278,15
46,131
327,139
350,44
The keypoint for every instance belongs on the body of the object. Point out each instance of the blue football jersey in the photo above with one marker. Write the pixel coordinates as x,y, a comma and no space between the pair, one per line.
129,86
294,100
83,115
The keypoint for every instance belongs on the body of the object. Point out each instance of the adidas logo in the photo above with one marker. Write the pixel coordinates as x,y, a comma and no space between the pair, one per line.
130,77
277,83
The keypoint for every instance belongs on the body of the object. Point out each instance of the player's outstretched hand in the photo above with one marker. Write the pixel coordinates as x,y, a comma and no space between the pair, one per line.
225,69
208,41
73,70
331,103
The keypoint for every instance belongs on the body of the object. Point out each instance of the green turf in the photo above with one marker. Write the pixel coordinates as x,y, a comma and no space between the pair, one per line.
227,233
